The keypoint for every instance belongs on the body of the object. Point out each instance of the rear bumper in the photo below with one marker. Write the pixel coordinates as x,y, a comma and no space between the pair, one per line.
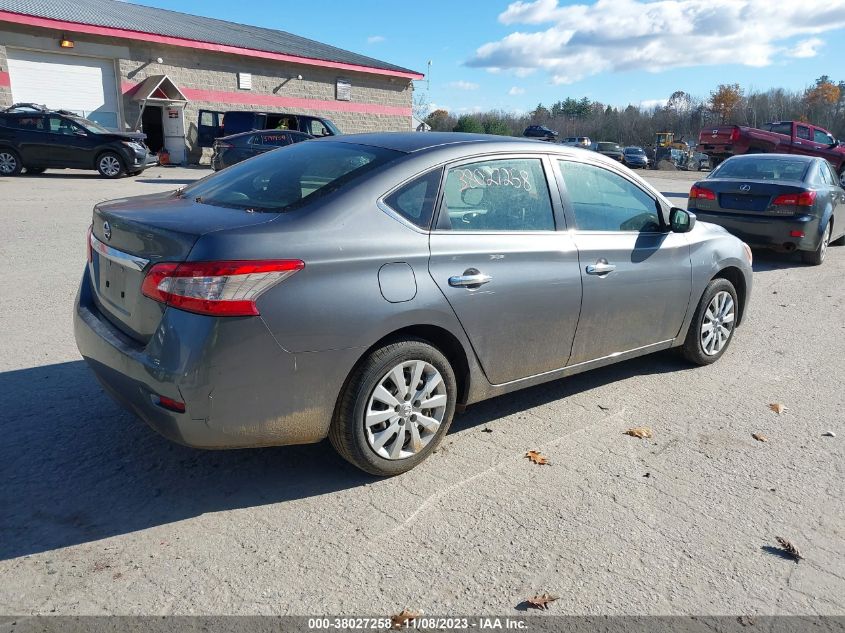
767,231
240,388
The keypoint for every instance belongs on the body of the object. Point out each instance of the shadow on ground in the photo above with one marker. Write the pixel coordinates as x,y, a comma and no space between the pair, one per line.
166,181
76,468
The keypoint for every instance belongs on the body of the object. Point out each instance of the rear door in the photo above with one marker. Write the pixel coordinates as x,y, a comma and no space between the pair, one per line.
501,257
637,277
802,140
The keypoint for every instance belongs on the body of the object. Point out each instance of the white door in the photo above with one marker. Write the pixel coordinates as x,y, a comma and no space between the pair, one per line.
85,85
174,132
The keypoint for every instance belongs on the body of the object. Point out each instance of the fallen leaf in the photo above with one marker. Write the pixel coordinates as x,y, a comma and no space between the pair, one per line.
401,619
604,408
777,407
790,548
486,430
760,437
640,431
537,458
541,601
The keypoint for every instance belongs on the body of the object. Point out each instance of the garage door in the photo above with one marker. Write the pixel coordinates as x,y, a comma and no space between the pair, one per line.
85,85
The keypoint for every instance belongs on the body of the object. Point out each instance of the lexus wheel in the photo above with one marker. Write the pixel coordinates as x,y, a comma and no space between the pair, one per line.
110,165
10,163
395,408
816,257
713,323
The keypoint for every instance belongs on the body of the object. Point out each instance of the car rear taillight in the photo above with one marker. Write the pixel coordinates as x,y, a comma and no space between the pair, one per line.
802,199
228,288
88,248
701,193
735,135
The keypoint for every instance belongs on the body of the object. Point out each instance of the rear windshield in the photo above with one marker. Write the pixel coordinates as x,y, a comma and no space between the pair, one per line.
289,177
762,169
609,147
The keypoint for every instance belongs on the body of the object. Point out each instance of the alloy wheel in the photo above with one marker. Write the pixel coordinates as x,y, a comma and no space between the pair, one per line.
405,410
718,323
110,166
825,242
8,163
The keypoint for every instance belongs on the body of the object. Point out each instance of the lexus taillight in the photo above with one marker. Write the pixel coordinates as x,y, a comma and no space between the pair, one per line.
735,135
701,193
228,288
802,199
88,247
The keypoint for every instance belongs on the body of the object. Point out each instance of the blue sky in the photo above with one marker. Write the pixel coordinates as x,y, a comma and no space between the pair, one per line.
512,55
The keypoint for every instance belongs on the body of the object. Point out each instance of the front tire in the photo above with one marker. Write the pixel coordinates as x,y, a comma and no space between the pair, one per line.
110,165
10,163
713,323
395,408
816,257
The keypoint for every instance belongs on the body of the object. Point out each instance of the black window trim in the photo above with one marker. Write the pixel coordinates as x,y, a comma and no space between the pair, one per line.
393,213
568,208
557,210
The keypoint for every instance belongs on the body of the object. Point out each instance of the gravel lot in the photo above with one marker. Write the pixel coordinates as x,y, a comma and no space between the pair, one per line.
102,516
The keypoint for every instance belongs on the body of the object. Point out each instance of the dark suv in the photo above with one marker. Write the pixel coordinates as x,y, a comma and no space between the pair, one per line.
229,150
541,132
35,138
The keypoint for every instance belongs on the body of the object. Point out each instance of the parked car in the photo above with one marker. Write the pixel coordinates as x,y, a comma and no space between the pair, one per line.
635,157
233,149
699,161
611,150
361,287
577,141
778,201
36,138
783,137
212,124
541,132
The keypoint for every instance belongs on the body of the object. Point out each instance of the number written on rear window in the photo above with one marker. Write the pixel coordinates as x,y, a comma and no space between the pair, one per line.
498,195
605,201
415,200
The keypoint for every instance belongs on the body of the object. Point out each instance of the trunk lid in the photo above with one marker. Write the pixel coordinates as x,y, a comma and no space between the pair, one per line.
132,234
753,197
722,135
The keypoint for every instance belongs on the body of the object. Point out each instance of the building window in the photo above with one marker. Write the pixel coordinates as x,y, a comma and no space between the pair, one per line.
344,90
245,81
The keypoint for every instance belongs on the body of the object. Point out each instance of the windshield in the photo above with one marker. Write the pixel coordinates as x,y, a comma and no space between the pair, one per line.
762,169
609,147
96,128
637,151
289,177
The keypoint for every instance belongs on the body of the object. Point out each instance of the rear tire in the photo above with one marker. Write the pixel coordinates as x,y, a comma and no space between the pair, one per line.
713,324
110,165
385,428
816,257
10,163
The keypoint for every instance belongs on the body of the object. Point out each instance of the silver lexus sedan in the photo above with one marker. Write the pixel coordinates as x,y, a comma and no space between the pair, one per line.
362,287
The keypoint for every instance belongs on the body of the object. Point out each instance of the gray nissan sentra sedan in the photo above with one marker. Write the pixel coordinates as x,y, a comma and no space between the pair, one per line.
363,287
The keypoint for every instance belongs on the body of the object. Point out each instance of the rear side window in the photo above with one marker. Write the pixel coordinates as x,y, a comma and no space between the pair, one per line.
289,178
415,200
802,131
781,128
509,194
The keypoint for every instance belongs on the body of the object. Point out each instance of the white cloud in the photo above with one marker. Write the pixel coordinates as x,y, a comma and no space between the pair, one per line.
516,90
651,104
806,48
375,39
463,85
623,35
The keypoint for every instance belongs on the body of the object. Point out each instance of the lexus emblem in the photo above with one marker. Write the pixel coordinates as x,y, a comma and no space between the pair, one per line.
106,230
745,187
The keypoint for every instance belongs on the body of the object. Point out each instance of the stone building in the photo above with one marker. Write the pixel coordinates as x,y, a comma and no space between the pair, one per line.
174,75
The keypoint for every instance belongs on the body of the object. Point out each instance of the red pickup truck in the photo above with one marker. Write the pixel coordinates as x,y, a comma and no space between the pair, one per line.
785,137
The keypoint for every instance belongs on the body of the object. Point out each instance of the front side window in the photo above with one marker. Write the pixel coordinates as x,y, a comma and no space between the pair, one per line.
316,128
60,125
498,195
289,178
415,200
822,137
605,201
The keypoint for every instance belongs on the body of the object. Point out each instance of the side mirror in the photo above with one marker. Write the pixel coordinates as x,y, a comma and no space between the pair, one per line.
836,143
681,220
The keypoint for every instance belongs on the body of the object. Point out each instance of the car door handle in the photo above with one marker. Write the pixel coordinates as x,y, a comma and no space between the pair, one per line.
601,267
470,279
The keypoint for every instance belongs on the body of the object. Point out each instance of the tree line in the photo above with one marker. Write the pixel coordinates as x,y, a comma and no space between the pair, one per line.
822,104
